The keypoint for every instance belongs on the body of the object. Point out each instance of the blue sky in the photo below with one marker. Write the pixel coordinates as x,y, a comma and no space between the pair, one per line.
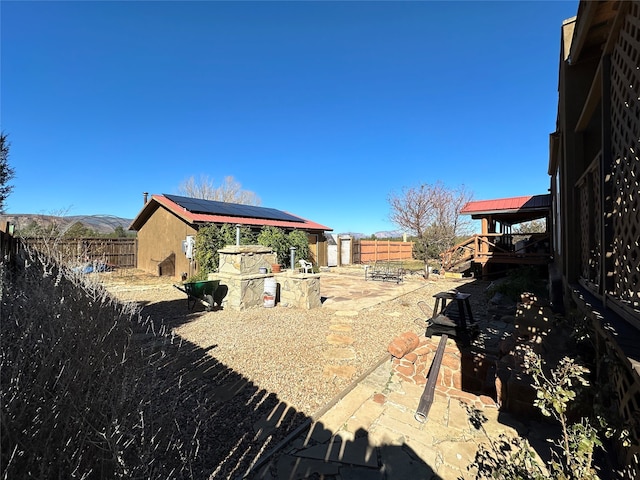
320,108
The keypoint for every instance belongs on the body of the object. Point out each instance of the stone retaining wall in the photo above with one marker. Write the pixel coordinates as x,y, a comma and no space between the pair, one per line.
459,370
492,369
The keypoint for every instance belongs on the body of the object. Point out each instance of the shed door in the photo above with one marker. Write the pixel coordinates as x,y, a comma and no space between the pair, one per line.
345,251
332,255
313,248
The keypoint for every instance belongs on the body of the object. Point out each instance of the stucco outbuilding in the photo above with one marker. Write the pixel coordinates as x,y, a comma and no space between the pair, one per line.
166,221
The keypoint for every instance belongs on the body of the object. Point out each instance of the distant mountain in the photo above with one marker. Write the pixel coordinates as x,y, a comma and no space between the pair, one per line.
352,234
99,223
387,234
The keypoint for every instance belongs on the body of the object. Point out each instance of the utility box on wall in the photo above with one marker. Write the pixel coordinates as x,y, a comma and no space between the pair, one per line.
189,246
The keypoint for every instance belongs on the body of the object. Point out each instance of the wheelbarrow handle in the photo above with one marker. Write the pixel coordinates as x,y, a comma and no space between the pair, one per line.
181,289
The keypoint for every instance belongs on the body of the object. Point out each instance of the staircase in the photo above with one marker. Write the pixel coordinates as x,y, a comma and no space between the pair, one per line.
497,248
458,259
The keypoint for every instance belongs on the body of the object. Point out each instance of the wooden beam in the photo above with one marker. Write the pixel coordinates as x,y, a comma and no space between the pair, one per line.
580,34
593,98
595,92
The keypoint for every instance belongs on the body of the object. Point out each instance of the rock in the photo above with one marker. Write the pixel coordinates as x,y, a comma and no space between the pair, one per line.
403,344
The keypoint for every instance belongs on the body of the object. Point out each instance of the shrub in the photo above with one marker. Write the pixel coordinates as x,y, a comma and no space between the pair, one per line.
275,238
68,378
92,389
571,455
299,240
211,238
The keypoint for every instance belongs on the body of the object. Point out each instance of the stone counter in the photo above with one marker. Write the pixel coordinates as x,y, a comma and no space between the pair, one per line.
299,290
239,292
245,259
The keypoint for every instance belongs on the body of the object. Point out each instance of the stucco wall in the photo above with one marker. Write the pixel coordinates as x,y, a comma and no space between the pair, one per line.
160,245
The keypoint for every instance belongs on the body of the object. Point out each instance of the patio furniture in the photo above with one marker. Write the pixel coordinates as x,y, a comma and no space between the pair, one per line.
384,271
451,321
306,267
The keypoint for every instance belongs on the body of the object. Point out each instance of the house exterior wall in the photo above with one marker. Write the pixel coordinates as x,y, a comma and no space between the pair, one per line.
594,179
594,164
160,245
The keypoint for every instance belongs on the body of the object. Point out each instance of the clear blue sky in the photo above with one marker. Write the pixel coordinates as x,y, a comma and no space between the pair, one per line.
320,108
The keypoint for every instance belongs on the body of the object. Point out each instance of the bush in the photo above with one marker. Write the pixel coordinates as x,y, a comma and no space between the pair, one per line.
92,389
276,239
211,238
571,455
68,378
299,240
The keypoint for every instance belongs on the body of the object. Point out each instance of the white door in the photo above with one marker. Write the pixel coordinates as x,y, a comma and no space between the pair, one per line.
332,255
345,251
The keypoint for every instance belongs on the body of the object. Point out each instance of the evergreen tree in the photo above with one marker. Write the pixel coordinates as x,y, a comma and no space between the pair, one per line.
6,172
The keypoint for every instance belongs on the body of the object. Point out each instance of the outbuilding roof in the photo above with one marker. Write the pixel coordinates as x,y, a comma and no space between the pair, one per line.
198,211
511,210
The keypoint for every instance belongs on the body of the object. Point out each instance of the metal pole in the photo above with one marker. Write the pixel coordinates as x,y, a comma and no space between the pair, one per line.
237,234
426,400
293,258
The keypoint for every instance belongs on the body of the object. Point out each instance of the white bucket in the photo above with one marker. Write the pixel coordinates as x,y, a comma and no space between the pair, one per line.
270,289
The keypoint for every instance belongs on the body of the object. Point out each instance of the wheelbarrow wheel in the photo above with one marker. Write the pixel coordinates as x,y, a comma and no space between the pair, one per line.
209,300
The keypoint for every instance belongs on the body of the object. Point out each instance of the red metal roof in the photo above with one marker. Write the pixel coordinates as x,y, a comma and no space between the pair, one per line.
509,205
192,218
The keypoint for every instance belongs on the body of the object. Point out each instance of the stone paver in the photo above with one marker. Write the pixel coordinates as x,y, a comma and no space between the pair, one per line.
371,433
342,371
340,353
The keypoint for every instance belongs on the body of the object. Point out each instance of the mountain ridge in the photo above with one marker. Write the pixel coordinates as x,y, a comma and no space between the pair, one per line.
100,223
104,224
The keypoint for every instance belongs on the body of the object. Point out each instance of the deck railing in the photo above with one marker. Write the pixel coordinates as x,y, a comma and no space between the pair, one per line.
520,248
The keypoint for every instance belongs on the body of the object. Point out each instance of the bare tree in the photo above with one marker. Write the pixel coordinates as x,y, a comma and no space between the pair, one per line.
431,213
229,191
412,209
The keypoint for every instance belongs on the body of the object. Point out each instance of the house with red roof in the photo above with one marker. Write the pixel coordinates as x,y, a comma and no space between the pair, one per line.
166,222
497,245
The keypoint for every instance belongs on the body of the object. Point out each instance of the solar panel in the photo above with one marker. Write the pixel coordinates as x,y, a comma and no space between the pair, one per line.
212,207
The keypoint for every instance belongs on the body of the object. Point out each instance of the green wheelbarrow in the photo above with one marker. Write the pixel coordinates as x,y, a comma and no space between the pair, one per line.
202,292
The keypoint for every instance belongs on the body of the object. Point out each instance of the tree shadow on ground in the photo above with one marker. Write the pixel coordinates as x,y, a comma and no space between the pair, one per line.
319,453
224,424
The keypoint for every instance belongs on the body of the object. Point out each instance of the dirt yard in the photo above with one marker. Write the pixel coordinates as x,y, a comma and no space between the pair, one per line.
304,357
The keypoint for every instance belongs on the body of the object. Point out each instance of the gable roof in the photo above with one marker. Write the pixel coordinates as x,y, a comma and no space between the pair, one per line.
510,210
197,211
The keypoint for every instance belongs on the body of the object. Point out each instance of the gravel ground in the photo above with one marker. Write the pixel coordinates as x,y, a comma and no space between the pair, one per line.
236,383
305,357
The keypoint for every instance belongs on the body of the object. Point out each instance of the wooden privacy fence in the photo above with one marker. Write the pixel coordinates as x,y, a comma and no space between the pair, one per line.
369,251
116,252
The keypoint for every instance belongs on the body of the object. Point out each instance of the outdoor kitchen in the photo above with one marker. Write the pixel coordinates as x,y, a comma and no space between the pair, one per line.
247,280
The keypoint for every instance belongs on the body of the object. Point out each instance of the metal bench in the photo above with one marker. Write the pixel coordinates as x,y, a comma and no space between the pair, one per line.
384,271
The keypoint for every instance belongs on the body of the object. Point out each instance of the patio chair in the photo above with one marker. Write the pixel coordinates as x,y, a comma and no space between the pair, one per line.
306,267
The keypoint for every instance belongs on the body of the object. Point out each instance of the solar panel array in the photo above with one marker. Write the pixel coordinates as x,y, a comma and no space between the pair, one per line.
212,207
